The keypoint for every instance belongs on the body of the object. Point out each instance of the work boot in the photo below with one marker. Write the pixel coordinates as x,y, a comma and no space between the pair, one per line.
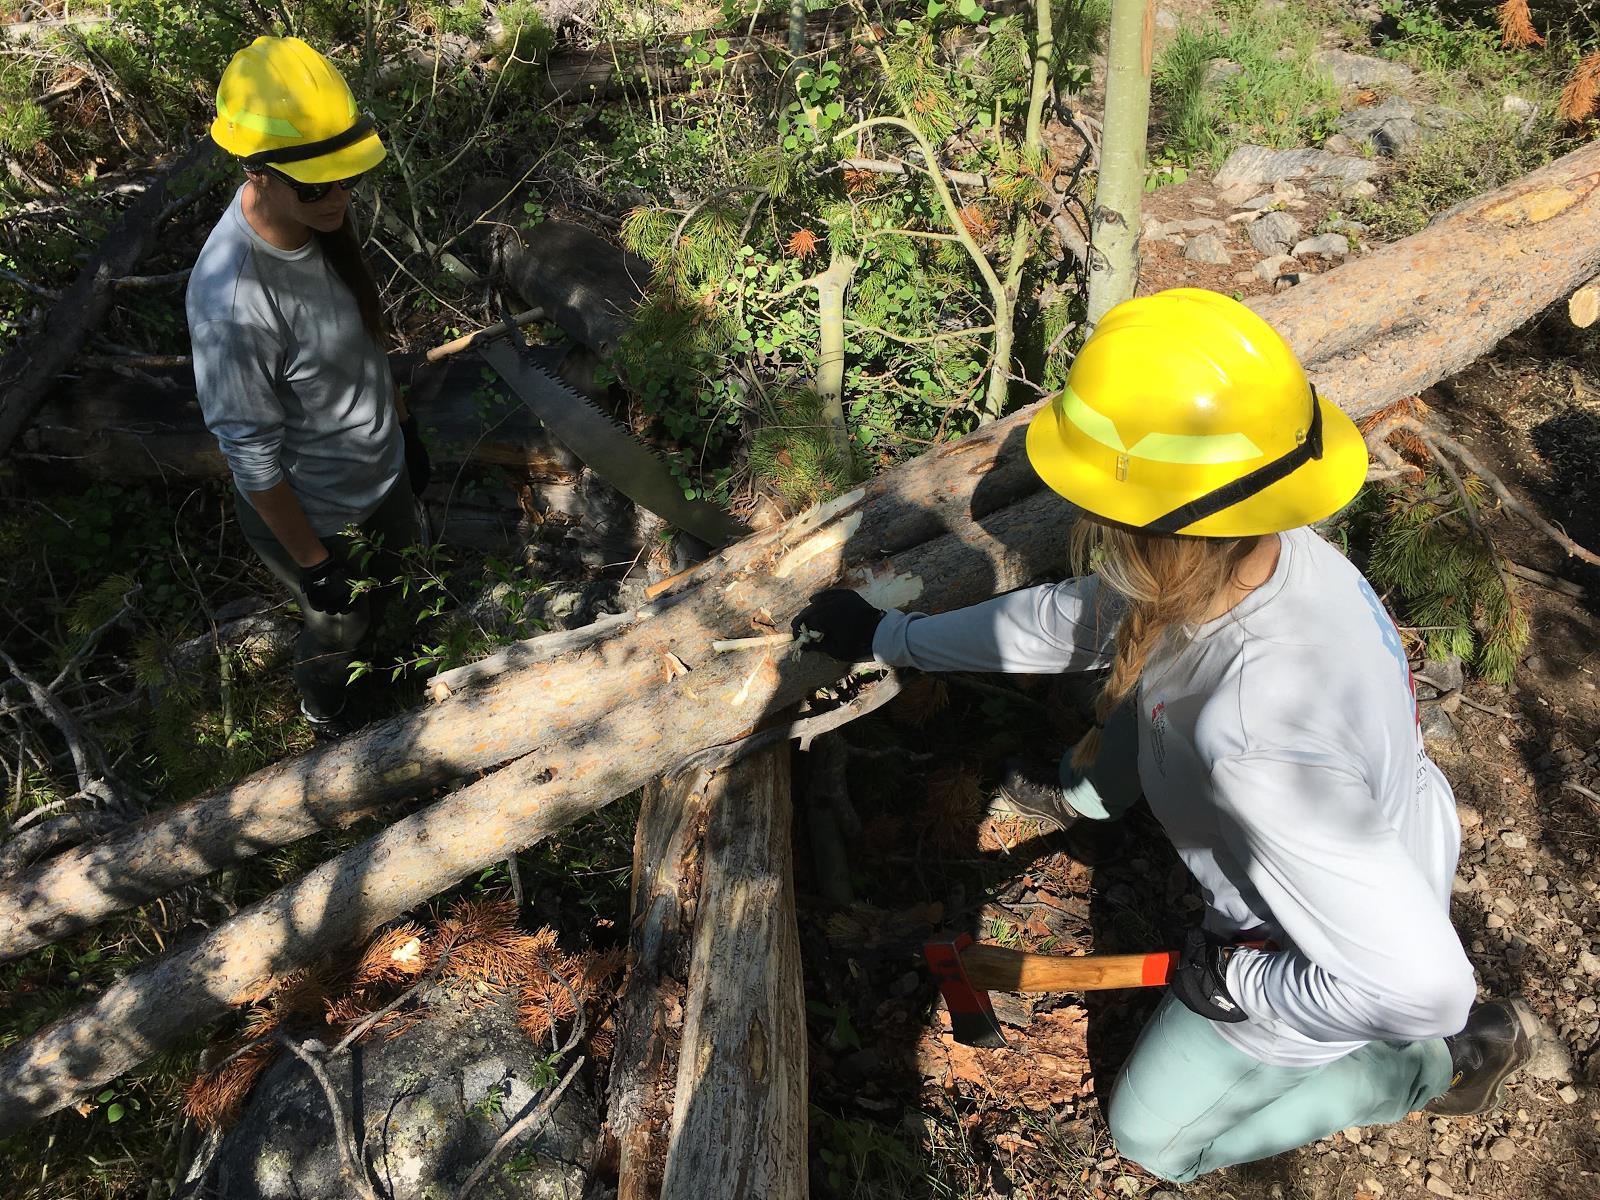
328,729
1032,788
1495,1043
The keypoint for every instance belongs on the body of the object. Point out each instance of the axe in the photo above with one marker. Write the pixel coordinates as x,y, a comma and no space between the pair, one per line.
967,973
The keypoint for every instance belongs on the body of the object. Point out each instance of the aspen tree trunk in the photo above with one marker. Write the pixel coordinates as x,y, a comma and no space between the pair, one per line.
1114,245
831,287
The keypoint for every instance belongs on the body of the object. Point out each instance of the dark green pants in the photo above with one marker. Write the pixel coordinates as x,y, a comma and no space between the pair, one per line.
329,641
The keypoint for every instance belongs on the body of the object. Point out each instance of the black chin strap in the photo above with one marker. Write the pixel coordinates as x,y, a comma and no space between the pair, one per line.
289,154
1246,486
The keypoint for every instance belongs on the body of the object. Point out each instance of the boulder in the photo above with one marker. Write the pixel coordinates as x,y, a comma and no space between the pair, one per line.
429,1104
1390,126
1328,245
1261,166
1274,233
1207,248
1358,70
1271,268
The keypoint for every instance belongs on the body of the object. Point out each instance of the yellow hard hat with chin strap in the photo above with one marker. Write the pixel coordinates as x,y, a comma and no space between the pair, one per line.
282,104
1186,413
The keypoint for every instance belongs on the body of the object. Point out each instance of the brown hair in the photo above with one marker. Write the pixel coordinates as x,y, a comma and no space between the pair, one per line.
342,249
1170,583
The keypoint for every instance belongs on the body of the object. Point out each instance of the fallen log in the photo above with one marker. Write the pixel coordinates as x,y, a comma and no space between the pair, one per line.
148,426
666,851
739,1110
952,488
1395,321
29,369
484,727
580,769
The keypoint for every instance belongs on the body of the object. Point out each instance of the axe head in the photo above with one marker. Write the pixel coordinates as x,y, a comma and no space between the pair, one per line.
972,1018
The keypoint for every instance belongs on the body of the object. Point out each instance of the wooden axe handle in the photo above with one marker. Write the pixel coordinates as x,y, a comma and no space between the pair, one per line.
998,969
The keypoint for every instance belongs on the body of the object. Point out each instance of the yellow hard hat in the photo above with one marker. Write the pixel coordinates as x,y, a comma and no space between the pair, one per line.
282,104
1185,412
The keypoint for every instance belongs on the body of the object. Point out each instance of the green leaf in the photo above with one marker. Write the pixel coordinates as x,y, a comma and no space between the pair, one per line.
114,1114
106,1095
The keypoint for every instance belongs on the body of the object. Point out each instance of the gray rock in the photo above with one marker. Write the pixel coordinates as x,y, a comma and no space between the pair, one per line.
1207,248
1167,20
1205,203
1502,1150
1588,963
1261,166
1390,126
1396,124
1518,106
1271,268
1197,225
1328,245
1219,69
1359,190
1358,70
1551,1059
1438,730
1274,233
429,1104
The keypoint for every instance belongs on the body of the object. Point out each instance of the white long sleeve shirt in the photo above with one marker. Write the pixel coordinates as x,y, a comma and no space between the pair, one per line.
1279,747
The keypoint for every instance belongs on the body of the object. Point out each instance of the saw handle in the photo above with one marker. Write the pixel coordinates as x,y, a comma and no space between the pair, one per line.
999,969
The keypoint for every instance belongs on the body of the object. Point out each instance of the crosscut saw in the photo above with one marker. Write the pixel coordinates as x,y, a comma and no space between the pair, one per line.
608,449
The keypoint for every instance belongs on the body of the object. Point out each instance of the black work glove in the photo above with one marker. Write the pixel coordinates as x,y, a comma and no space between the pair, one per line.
417,464
845,621
327,585
1201,978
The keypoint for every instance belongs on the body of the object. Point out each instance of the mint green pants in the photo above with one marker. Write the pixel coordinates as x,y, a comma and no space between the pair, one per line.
1186,1101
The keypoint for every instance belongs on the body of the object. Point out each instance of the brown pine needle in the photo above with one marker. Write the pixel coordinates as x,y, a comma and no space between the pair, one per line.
1516,26
214,1099
1579,97
396,954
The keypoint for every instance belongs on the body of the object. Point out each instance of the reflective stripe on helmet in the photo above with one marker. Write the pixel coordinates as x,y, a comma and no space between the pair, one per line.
256,123
1184,449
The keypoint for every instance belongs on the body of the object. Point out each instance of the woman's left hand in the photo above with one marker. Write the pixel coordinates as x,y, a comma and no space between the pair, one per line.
418,466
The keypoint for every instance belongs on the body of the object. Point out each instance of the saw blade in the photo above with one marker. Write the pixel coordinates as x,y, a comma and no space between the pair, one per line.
606,447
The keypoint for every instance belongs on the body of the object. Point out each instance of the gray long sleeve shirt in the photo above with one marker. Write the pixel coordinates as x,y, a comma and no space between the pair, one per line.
289,380
1279,748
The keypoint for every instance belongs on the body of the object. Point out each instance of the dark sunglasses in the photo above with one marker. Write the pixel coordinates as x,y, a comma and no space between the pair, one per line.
310,193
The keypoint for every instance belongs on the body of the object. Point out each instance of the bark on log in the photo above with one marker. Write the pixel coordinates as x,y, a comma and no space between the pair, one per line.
1463,302
665,890
29,370
581,768
739,1111
149,427
1392,323
484,727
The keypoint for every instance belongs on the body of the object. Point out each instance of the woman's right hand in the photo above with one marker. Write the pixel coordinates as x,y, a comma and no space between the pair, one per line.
843,621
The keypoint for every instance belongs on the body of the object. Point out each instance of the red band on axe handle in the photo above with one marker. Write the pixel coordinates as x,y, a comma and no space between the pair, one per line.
1157,968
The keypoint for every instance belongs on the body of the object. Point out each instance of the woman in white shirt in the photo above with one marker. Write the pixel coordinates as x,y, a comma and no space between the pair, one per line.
1258,694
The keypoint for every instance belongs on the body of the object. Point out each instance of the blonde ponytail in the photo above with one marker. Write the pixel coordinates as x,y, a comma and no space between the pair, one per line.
1171,584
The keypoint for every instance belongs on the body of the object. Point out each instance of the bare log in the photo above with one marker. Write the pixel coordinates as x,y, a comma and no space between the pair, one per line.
28,371
739,1112
579,770
1388,325
482,728
666,849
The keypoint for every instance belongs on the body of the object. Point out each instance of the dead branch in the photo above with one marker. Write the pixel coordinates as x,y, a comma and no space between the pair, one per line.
70,829
29,369
350,1152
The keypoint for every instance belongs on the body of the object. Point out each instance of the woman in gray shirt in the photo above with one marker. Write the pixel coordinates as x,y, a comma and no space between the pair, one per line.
288,339
1259,696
